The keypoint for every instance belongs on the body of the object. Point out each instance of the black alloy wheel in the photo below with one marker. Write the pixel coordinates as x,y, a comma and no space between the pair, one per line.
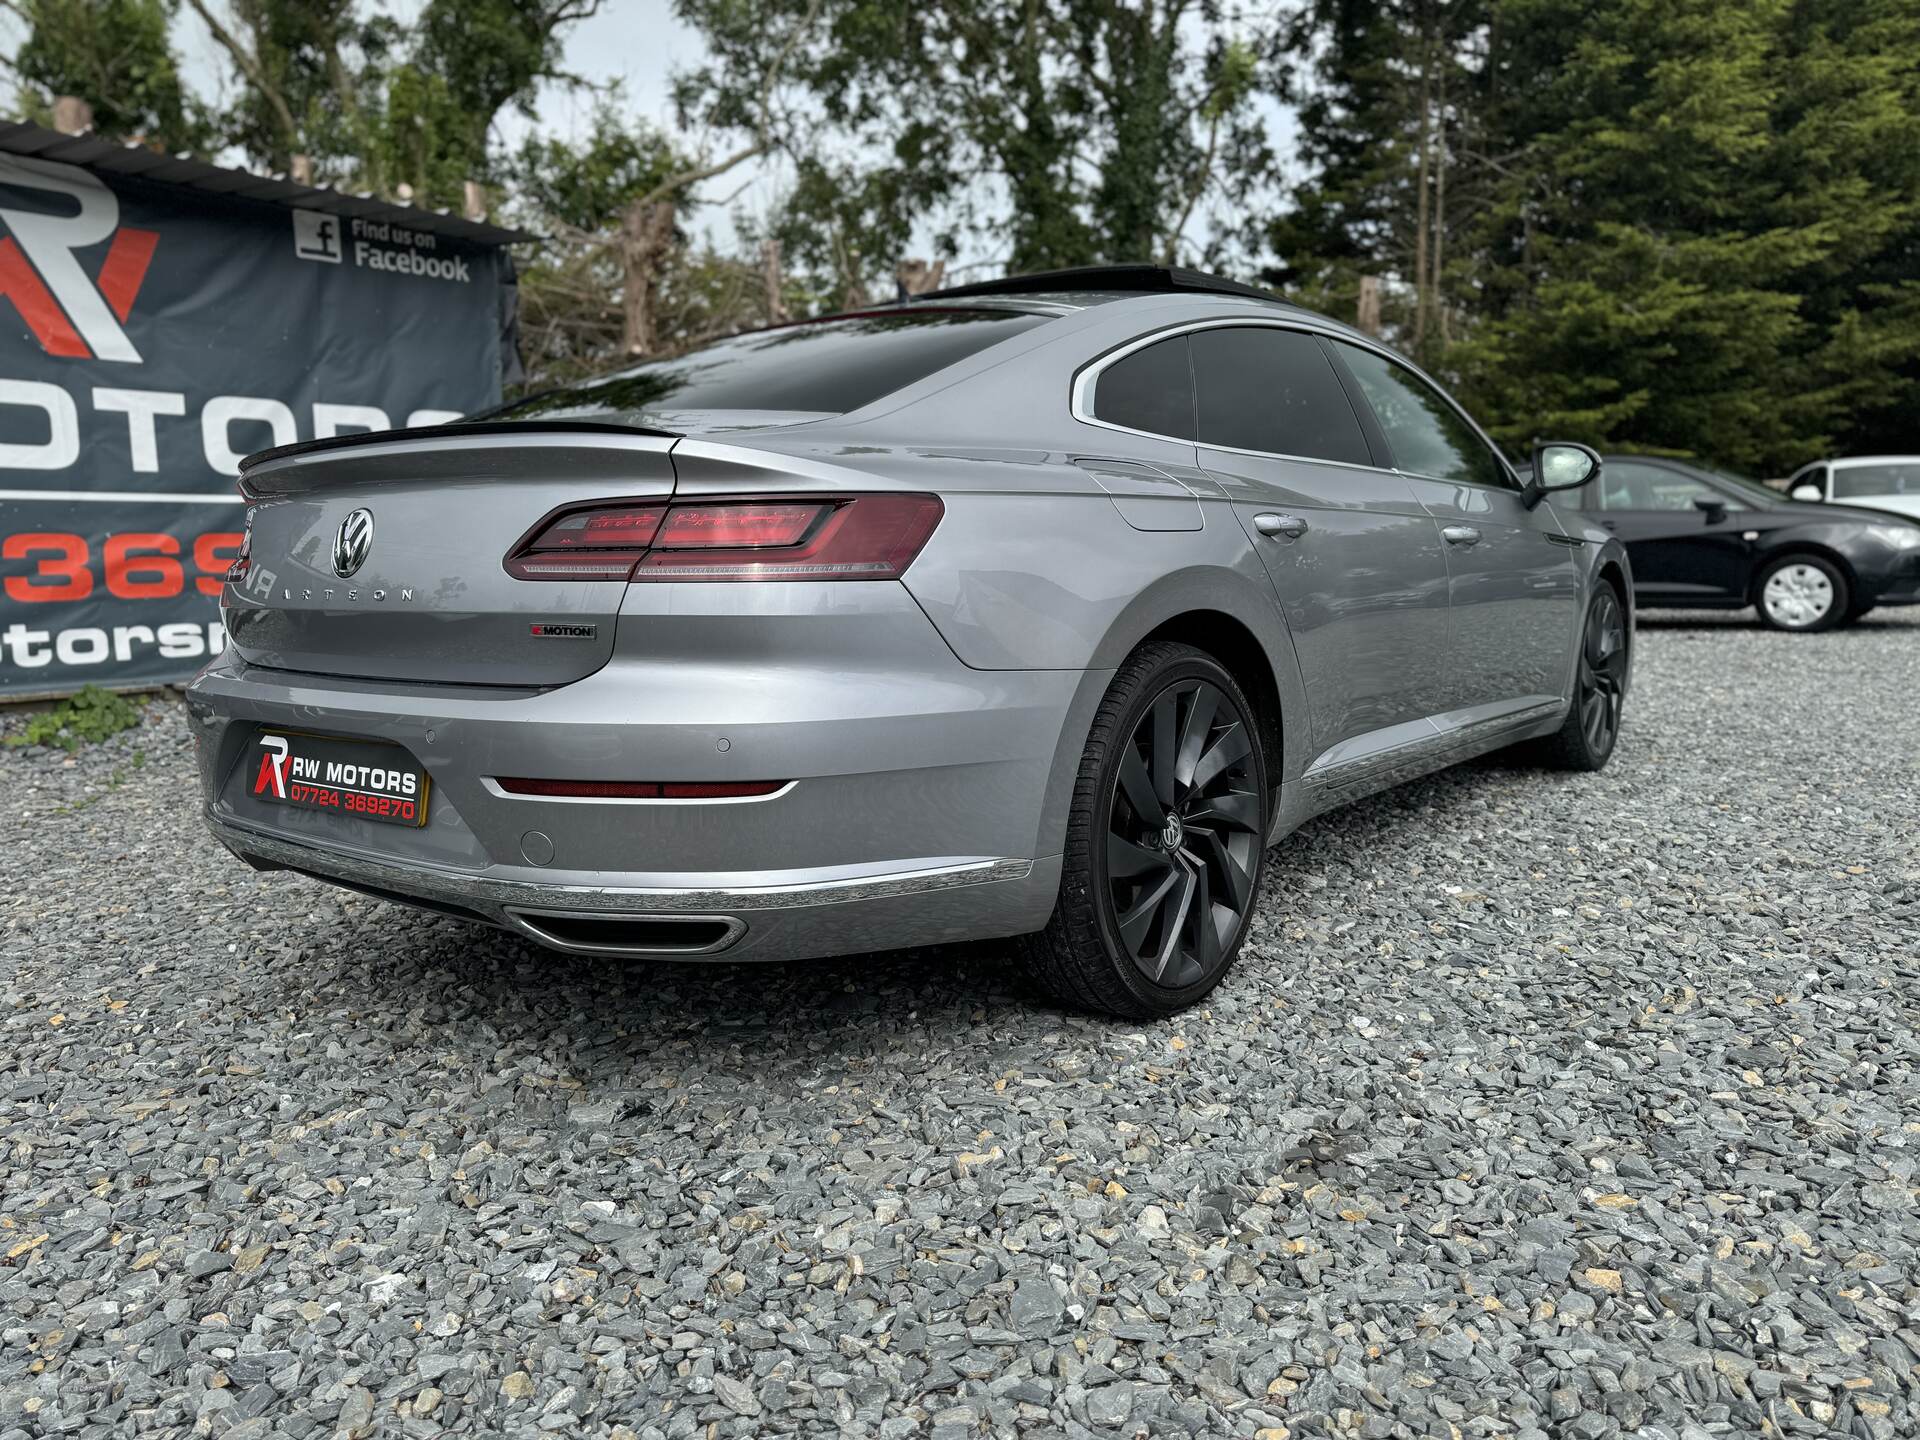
1592,726
1183,841
1603,672
1166,838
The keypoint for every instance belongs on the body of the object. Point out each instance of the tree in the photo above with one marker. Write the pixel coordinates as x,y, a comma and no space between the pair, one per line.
402,111
1391,126
116,55
1056,132
1659,224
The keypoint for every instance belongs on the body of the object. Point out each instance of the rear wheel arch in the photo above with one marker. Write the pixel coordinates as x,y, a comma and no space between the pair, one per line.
1228,640
1212,612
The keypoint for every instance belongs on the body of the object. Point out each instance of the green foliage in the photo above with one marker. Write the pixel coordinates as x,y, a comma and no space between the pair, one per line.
87,718
1670,225
587,185
115,54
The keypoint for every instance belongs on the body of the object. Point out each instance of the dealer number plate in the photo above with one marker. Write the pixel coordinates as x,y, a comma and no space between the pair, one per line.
365,780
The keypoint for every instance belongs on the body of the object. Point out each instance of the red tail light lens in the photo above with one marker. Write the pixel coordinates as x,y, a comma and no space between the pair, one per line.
738,527
243,559
858,537
601,543
632,528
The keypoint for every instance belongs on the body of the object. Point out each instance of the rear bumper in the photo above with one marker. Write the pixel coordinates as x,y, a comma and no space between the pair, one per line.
867,909
926,800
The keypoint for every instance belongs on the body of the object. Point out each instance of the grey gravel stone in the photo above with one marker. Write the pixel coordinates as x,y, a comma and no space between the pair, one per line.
1538,1105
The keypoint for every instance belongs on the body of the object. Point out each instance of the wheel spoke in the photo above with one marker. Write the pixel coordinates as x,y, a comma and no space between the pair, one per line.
1193,734
1128,861
1230,810
1173,931
1138,783
1138,920
1233,746
1206,934
1234,878
1166,746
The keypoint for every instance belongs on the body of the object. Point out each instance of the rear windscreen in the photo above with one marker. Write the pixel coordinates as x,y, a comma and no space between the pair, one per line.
822,367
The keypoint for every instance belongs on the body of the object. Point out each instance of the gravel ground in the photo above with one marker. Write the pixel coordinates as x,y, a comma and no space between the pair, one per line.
1537,1105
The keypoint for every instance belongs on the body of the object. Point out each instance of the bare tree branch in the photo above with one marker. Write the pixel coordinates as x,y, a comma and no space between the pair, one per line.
250,65
763,139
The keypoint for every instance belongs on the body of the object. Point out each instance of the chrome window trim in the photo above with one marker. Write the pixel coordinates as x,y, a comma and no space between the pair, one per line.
1081,404
1081,401
1499,456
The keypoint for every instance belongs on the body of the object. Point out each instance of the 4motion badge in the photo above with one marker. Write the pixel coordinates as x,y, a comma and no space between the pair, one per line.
563,632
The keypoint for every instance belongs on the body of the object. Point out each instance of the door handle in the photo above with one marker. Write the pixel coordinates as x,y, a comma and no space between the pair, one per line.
1460,535
1291,526
1609,524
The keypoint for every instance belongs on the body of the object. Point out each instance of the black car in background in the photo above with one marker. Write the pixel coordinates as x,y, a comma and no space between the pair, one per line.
1703,539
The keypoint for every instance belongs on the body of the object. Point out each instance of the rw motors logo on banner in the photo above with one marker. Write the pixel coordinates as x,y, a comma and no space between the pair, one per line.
150,337
69,312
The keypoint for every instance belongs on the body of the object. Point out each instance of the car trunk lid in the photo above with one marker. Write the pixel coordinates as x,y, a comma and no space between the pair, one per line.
382,558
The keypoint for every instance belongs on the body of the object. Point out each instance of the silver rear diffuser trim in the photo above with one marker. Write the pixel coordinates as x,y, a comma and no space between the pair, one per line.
499,897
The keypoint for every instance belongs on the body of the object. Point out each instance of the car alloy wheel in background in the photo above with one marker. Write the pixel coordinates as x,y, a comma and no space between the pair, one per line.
1586,739
1165,843
1802,592
1603,672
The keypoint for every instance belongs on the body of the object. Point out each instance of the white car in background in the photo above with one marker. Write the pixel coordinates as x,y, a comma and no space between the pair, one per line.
1877,482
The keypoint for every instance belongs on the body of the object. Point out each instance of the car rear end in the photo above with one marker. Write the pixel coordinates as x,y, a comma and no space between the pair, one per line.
572,673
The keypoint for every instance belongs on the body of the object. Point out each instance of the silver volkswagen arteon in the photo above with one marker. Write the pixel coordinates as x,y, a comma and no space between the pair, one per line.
1036,608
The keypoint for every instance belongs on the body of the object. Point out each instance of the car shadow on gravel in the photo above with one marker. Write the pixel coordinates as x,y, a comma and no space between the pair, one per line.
386,959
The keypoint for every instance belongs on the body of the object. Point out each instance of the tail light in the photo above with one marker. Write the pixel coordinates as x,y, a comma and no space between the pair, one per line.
243,561
856,537
603,543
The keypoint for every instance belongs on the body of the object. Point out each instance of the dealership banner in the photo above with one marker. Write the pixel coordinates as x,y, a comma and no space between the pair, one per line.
152,335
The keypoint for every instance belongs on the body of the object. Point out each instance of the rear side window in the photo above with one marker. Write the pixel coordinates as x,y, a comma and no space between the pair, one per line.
1427,435
822,367
1629,485
1275,391
1151,389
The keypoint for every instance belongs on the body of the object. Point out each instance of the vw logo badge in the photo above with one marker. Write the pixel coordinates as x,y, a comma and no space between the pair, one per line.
351,545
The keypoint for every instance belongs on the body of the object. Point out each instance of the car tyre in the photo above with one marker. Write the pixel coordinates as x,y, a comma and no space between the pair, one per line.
1592,728
1803,593
1166,841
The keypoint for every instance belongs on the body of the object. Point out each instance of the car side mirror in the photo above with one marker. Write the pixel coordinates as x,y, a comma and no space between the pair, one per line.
1560,465
1714,510
1806,492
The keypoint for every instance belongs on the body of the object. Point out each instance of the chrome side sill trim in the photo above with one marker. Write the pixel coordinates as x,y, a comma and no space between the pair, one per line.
1429,753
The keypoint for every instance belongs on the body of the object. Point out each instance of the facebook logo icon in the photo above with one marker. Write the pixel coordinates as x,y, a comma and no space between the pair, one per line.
316,236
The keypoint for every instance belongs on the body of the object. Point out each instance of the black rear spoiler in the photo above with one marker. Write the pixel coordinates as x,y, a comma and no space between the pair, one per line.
457,427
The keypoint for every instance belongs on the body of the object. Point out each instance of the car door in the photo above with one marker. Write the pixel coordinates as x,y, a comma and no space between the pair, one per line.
1684,534
1355,561
1513,581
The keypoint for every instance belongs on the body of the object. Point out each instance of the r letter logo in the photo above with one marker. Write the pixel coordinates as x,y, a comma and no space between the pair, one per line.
273,767
69,313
